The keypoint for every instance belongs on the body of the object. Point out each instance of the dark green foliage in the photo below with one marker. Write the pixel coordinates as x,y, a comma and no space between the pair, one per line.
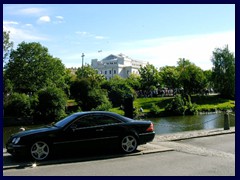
181,106
50,105
155,110
89,97
177,106
117,89
17,105
31,68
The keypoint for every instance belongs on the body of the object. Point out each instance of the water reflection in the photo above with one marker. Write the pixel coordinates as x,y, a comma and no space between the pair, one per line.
166,125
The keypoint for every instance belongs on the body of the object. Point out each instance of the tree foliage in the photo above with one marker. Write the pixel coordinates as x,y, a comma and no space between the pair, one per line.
117,89
88,72
191,77
224,72
170,76
133,80
17,105
149,77
181,106
89,97
31,68
7,45
50,105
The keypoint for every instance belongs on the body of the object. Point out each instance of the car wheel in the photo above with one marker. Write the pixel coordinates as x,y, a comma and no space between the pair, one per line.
40,150
129,144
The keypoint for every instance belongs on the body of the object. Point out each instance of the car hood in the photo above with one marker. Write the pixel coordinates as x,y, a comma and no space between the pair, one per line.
34,131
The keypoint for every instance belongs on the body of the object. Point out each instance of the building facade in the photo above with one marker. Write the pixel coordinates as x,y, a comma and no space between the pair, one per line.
120,65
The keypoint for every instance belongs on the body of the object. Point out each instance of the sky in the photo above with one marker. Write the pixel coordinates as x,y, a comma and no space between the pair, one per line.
156,33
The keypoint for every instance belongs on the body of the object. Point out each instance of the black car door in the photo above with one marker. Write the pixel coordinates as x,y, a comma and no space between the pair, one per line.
108,129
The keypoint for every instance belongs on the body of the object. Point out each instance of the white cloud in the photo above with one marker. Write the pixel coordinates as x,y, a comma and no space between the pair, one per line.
17,34
44,19
167,51
163,51
59,17
31,11
89,35
10,23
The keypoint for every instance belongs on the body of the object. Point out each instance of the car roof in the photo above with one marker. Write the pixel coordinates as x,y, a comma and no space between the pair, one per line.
105,113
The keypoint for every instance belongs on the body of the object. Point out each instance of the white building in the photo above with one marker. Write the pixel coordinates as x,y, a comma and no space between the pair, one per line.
117,65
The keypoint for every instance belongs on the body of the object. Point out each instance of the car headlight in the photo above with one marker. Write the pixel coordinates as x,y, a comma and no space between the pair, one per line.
16,140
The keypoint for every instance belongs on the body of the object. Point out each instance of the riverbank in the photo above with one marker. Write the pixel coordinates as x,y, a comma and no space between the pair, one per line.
204,105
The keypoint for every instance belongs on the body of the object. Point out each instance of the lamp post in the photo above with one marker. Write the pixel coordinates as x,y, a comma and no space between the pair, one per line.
82,59
82,63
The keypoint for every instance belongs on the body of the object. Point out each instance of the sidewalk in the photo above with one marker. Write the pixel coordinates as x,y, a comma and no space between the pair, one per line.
156,146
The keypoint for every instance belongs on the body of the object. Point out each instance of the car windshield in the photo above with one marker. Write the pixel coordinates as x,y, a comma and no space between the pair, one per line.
66,120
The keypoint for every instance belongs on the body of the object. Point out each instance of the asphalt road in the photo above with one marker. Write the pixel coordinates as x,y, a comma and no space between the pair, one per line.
205,156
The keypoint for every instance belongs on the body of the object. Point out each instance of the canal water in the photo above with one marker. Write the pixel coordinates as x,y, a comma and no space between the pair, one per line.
162,125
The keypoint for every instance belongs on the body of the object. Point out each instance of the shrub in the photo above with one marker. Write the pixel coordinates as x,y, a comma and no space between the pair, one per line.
51,105
17,105
176,106
155,110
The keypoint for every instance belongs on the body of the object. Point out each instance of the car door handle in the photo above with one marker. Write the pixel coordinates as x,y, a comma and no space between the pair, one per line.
99,130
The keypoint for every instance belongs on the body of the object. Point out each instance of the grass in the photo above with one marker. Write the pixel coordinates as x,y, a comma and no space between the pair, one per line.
204,103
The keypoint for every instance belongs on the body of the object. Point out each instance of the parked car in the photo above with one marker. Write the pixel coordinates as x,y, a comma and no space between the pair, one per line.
80,130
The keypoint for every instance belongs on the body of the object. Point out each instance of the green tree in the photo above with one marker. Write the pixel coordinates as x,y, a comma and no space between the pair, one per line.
69,79
191,77
208,78
18,105
150,77
50,105
170,76
133,80
89,97
224,72
88,72
31,68
117,89
7,45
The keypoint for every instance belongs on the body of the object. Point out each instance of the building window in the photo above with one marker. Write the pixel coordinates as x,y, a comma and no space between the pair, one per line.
110,72
114,71
105,72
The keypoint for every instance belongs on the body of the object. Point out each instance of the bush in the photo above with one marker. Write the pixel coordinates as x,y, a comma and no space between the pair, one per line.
18,105
155,110
50,105
117,89
177,106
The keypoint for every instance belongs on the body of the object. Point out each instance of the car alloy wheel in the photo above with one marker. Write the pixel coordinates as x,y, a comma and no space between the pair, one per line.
129,144
40,150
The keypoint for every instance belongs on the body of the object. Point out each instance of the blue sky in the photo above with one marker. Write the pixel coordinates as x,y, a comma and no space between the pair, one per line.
157,33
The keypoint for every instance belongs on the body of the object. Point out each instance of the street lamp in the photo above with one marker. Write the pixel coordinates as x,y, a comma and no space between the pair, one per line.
82,59
82,63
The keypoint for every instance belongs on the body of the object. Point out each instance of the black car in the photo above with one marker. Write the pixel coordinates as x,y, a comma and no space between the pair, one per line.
80,130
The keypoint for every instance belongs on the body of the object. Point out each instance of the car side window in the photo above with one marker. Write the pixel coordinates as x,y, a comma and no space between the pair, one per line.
105,120
95,120
86,121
